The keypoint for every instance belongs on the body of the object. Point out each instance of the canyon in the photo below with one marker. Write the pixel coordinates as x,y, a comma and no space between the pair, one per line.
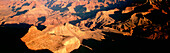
84,26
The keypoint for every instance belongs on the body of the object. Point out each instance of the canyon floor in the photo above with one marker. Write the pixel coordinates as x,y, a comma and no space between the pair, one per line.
84,26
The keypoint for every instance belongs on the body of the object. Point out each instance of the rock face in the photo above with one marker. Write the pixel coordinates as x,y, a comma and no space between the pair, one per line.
58,39
50,39
63,26
55,12
126,21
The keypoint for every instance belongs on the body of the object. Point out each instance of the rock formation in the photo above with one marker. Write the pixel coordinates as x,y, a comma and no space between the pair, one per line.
58,39
50,39
62,26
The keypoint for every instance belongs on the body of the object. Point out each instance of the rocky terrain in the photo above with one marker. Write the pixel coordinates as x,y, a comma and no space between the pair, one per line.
84,26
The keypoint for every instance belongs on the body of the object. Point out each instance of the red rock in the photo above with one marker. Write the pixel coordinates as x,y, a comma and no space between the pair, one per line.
48,39
128,9
59,36
56,38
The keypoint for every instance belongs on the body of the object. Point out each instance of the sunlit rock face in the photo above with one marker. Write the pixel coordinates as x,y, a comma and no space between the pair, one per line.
50,39
68,26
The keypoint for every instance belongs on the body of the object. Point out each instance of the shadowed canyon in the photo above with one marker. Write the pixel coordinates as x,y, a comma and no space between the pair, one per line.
84,26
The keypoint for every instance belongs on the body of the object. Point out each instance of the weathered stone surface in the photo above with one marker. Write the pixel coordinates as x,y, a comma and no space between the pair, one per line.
69,23
64,38
49,39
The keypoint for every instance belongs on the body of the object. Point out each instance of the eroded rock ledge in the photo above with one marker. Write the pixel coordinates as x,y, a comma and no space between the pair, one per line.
58,39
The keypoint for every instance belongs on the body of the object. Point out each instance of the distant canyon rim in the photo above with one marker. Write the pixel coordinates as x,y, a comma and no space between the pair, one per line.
84,26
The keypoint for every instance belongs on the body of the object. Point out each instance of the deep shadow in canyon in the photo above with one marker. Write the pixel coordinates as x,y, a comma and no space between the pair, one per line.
11,34
58,8
10,39
39,22
19,13
117,43
119,16
113,43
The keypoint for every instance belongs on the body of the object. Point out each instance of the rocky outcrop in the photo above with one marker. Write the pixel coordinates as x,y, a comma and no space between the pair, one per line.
51,38
68,24
58,39
102,18
55,12
126,21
